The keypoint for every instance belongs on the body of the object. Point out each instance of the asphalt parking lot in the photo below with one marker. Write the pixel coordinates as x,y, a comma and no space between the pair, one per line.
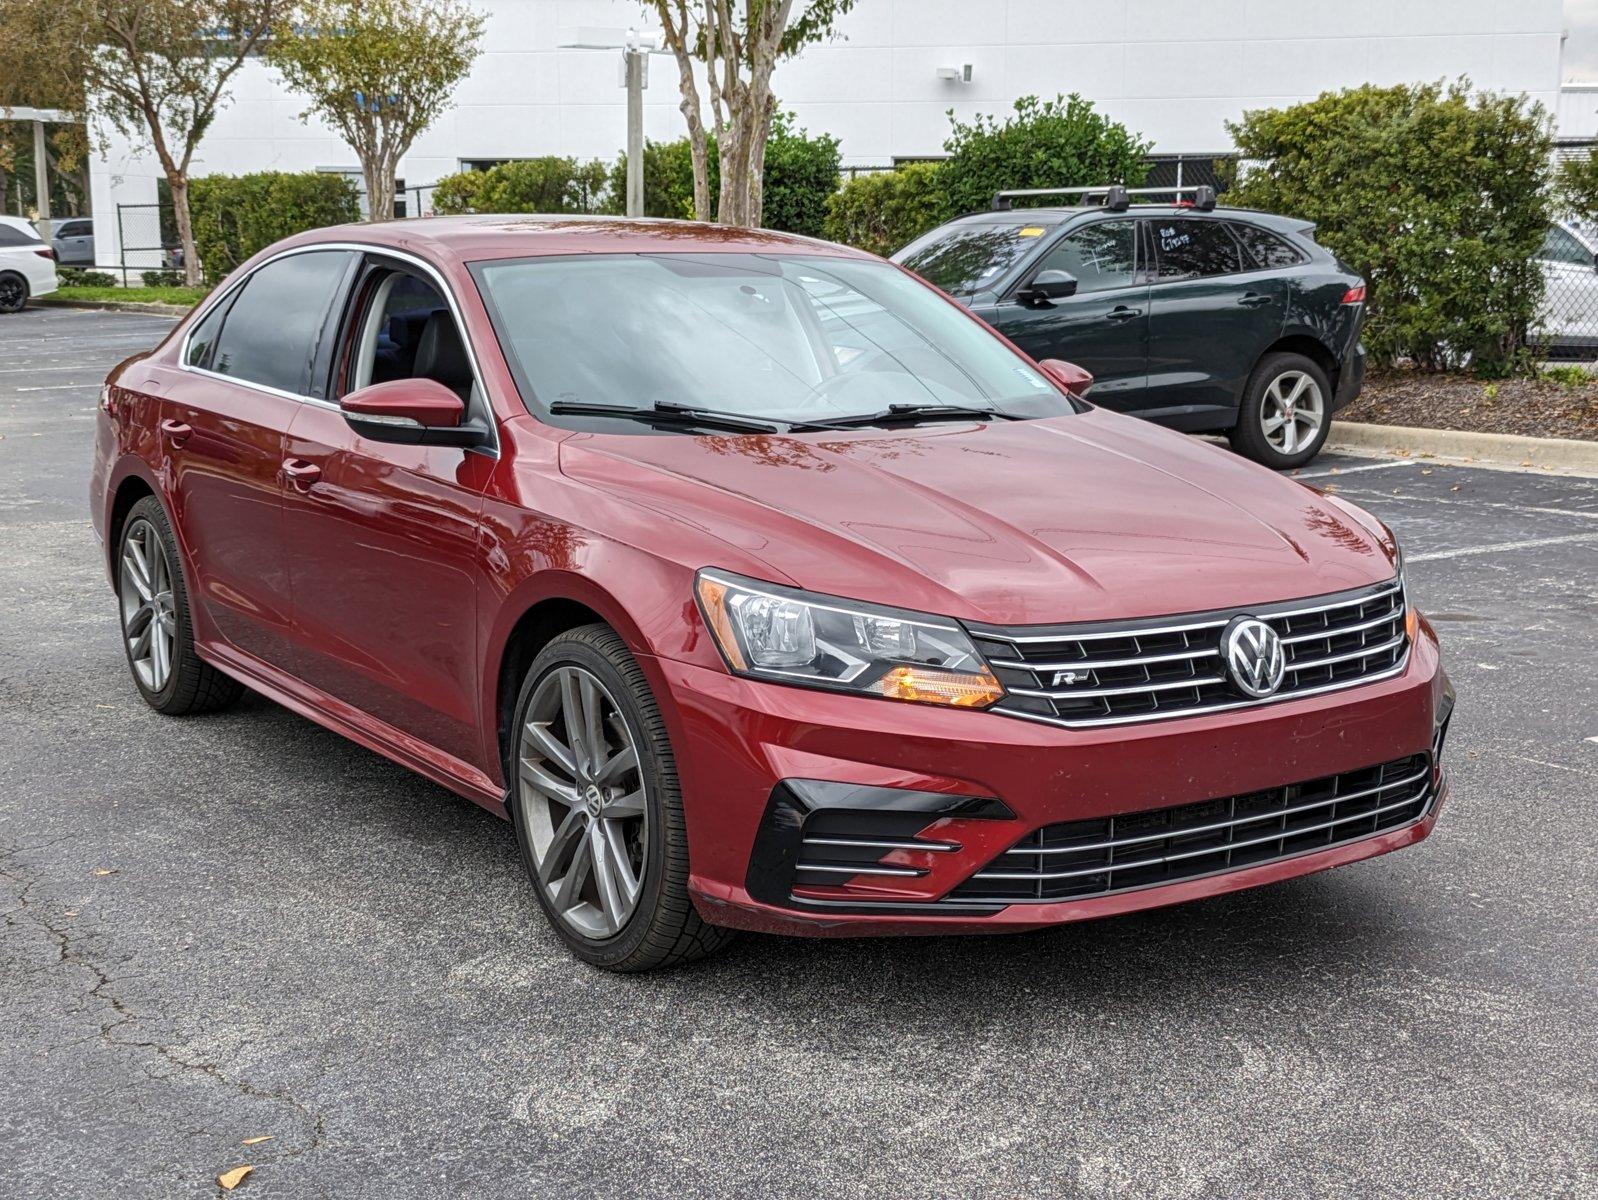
244,927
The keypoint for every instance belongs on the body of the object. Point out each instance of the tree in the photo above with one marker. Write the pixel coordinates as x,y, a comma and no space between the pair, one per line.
379,72
153,68
40,67
1576,187
1436,194
737,43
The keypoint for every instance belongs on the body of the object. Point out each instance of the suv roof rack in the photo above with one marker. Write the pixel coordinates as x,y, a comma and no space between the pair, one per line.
1113,196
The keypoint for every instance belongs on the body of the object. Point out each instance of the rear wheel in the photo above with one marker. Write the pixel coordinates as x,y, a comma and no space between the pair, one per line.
156,631
13,292
597,808
1286,412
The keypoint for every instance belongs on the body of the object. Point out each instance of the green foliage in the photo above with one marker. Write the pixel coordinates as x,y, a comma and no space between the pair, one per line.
161,279
532,185
668,180
1576,187
236,215
188,297
379,72
1435,194
1571,376
801,175
887,210
1046,143
79,277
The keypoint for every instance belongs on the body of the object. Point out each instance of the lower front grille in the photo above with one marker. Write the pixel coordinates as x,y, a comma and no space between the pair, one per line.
1135,850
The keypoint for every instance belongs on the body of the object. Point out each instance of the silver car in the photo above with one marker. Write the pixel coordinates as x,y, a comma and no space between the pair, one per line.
1568,325
73,239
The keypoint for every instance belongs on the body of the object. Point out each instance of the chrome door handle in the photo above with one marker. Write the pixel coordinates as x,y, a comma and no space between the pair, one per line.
1122,313
300,473
1253,300
176,431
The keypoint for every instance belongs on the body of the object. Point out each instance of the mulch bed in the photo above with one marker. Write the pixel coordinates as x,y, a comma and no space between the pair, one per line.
1533,407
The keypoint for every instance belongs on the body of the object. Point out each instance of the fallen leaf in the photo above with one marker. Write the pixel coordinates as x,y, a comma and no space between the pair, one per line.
1425,470
231,1179
1525,462
256,1141
1330,487
106,871
1455,488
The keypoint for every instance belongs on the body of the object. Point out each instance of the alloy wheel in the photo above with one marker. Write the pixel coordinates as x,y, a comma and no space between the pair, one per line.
1292,411
581,793
13,293
149,618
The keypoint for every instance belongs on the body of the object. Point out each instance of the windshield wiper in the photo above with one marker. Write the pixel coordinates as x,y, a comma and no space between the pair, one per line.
667,412
909,412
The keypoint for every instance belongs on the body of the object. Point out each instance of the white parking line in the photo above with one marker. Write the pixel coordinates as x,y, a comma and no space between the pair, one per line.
1528,544
1387,498
1381,466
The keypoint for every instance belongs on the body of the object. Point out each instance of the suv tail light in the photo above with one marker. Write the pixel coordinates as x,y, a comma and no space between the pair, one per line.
1355,295
47,252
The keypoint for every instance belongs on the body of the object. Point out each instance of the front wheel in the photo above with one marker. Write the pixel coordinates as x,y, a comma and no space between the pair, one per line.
13,292
597,809
1286,412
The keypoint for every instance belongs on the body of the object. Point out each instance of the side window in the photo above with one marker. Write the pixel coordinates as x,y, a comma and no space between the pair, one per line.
1560,247
10,235
1265,248
409,332
1101,257
202,341
271,333
75,229
1193,249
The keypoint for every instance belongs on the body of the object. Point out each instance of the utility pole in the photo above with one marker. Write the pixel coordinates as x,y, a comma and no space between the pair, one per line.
635,51
41,179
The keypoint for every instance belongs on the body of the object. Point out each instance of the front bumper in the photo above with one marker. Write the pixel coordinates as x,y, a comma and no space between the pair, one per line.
742,745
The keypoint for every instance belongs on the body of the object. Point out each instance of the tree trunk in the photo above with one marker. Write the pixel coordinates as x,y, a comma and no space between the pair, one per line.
179,183
378,170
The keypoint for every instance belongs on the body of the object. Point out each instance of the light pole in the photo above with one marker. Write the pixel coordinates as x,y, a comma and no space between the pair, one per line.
635,51
41,162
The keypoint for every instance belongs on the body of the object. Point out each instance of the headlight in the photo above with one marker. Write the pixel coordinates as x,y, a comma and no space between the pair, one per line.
787,636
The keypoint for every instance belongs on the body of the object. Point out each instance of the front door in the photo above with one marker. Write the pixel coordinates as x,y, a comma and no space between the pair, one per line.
385,555
223,421
1104,327
1210,322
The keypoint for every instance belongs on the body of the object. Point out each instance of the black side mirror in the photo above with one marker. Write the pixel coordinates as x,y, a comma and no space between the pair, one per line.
1047,286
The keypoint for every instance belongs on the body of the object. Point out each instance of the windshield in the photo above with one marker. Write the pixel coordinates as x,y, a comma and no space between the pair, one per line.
784,338
966,259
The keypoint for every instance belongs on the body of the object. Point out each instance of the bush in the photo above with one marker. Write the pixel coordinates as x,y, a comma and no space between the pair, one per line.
801,175
1576,187
161,279
531,185
668,180
1435,195
1047,143
78,277
237,215
888,210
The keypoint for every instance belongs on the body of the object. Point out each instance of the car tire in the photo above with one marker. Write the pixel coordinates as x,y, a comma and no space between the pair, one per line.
13,292
157,633
605,845
1286,412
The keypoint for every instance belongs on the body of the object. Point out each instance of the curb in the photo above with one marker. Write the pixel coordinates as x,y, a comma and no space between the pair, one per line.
1566,455
132,306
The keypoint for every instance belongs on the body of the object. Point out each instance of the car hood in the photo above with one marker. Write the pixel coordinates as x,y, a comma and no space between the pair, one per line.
1086,517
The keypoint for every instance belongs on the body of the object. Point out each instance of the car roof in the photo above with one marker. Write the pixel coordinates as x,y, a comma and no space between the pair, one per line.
521,235
1059,215
19,223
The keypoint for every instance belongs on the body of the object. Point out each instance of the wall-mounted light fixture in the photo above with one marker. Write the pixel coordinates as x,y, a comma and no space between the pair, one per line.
960,74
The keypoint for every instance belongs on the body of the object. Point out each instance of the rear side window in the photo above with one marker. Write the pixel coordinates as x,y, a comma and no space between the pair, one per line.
966,259
202,342
1192,249
1100,257
1560,247
10,235
271,333
1266,248
75,229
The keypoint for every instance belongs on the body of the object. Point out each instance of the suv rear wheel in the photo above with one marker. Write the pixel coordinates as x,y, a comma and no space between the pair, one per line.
13,292
1286,412
597,809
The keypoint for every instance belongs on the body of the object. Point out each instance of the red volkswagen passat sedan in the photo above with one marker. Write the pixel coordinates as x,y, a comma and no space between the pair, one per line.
759,585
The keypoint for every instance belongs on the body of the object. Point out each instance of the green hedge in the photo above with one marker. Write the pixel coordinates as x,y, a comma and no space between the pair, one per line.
668,180
1435,194
237,215
551,184
885,211
1062,142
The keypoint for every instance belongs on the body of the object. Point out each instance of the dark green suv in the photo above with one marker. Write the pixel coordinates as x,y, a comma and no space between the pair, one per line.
1200,318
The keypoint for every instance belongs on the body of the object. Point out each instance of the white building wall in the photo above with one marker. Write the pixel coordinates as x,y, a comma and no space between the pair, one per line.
1174,70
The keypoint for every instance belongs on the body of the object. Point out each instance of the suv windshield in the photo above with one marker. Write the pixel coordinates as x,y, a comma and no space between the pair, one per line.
965,259
786,338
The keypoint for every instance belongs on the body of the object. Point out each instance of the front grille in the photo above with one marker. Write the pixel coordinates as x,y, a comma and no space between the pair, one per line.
1115,673
1077,859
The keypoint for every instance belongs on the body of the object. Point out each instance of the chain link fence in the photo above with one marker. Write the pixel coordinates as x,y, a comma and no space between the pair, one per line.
1566,329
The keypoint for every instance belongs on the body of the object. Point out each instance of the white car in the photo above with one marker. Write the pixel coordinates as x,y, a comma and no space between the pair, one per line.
27,264
1568,324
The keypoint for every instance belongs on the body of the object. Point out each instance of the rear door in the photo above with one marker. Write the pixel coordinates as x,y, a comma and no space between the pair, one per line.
385,561
224,418
1212,316
1105,326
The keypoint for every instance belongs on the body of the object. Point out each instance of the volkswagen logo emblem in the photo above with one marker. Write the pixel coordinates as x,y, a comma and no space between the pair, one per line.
1254,656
